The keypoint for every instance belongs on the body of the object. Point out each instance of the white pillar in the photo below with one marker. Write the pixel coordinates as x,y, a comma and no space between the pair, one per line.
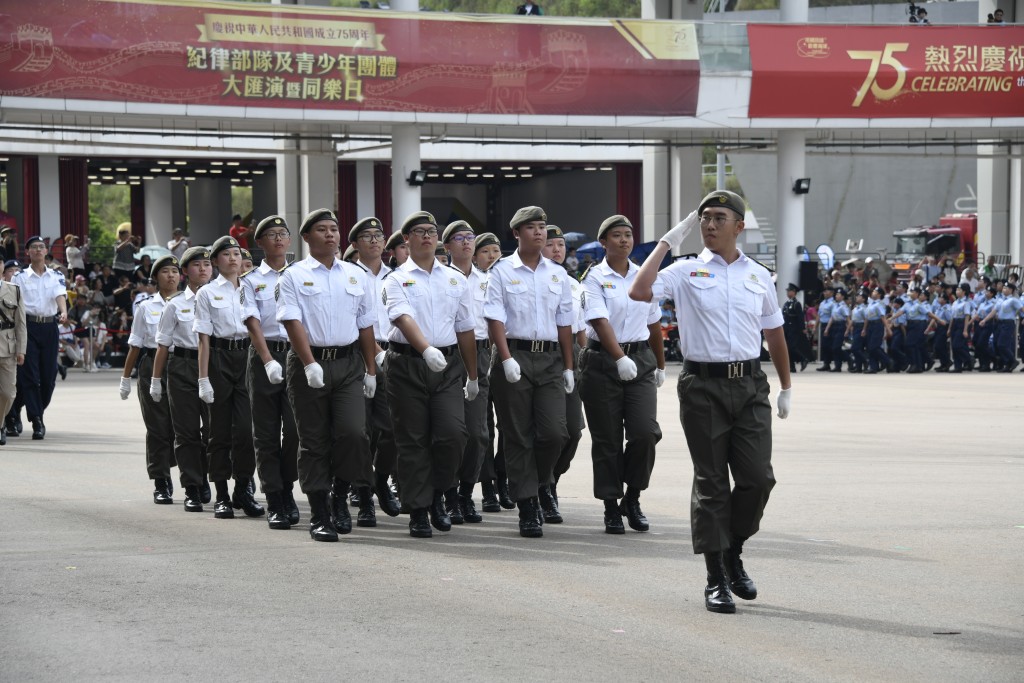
319,182
49,197
209,209
789,230
793,11
405,158
993,201
686,191
1016,218
159,210
366,201
656,193
289,206
405,5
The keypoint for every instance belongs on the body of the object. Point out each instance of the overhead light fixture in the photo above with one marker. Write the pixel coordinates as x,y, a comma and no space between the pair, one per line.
148,177
526,175
106,169
458,168
257,172
200,170
180,163
171,170
802,186
476,168
507,168
216,163
510,175
156,170
590,168
607,168
417,178
234,163
92,177
216,170
524,168
95,182
472,175
163,163
122,170
449,175
488,175
243,171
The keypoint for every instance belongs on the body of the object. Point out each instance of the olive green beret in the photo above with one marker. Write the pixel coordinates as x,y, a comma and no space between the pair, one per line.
394,241
418,218
267,223
369,223
612,222
555,232
439,250
724,199
527,214
485,240
195,254
350,252
163,262
454,227
222,243
246,254
316,216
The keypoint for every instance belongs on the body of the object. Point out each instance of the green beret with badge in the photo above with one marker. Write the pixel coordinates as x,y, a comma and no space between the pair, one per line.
222,243
486,239
268,223
725,200
350,253
613,222
394,241
527,214
555,232
315,216
164,262
454,227
194,254
418,218
369,223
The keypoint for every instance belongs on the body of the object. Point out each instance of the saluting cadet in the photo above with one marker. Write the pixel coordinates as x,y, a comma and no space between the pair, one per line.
621,370
874,333
982,331
835,330
959,329
46,306
430,309
795,327
223,357
554,249
368,237
529,319
275,439
459,240
177,351
824,316
941,315
13,341
856,329
327,307
1005,314
142,347
724,300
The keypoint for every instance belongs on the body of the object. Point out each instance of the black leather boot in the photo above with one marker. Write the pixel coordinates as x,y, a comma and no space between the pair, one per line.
320,526
466,505
438,515
740,583
634,515
242,499
419,525
193,502
205,494
504,499
12,428
367,515
222,508
339,508
354,496
529,524
161,496
3,435
549,506
277,517
717,597
291,509
386,498
452,507
613,517
38,429
490,497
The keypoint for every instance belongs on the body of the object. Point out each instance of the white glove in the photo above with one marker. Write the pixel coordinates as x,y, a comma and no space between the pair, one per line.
156,389
126,388
512,372
626,368
379,359
314,375
659,376
674,237
435,359
205,390
274,372
369,385
472,389
568,381
783,402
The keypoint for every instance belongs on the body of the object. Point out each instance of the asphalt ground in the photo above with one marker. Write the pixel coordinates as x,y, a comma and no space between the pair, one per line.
890,550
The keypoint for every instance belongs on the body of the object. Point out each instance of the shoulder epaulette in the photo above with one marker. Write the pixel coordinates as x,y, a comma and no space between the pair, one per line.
175,295
363,267
770,270
287,266
583,276
251,270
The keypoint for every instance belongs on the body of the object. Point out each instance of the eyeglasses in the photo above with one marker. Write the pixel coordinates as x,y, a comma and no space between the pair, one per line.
276,235
463,239
371,236
719,221
424,232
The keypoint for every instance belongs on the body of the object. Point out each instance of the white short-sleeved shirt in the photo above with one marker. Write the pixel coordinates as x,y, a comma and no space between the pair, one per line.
175,326
146,322
219,310
333,305
478,291
606,295
41,291
180,249
439,302
531,304
721,307
257,292
381,325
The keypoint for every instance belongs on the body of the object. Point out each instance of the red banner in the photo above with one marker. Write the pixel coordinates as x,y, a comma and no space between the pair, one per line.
886,71
272,56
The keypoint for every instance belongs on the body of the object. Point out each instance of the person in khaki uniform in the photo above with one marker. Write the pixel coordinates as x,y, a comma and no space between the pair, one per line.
13,341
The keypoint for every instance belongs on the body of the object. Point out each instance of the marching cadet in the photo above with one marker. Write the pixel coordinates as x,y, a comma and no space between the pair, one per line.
982,331
916,316
855,330
142,347
959,329
875,329
459,240
493,478
45,295
622,368
1004,315
725,301
368,237
795,328
273,426
529,319
554,249
13,341
398,248
223,357
247,262
824,316
350,255
327,307
835,330
941,317
430,309
190,416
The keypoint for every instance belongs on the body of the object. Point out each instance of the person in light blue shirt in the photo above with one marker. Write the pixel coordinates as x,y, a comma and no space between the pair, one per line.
941,316
874,333
983,331
824,316
835,331
916,312
855,330
1005,313
961,311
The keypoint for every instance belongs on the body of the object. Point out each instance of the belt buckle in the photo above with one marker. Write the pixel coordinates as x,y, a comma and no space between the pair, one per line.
735,370
627,348
536,346
329,354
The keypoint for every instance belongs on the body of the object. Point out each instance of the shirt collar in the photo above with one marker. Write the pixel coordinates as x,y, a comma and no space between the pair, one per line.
707,256
606,268
265,268
314,264
410,266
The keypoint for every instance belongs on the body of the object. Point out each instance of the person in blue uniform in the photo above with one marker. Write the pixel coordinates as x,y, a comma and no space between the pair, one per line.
983,331
959,329
824,316
795,328
941,316
875,329
835,330
916,312
1005,314
855,330
898,335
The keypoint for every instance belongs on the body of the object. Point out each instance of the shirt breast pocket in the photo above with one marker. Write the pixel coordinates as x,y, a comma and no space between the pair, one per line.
185,318
707,292
752,300
519,297
265,294
454,295
355,295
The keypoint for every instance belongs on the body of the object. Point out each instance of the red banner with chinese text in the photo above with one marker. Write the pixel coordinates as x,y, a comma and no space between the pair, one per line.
886,71
273,56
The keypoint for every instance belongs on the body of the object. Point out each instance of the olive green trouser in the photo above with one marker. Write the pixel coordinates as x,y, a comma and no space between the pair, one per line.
382,436
159,430
273,427
190,418
232,455
476,423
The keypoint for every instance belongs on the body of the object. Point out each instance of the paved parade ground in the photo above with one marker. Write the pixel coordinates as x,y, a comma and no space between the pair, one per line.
891,550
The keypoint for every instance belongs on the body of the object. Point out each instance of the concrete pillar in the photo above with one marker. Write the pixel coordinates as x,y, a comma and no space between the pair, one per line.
993,201
159,210
286,176
793,11
264,195
686,191
656,193
365,204
209,209
790,219
16,193
405,158
49,197
1016,217
179,207
405,6
319,182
